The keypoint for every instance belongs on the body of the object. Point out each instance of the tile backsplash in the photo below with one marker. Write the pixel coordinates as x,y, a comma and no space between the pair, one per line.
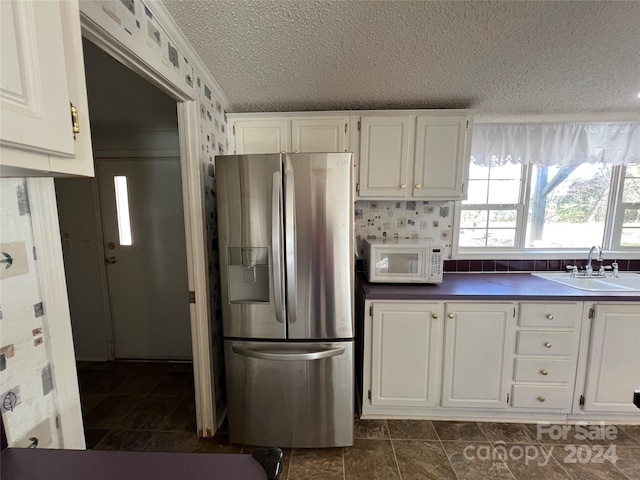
530,265
404,219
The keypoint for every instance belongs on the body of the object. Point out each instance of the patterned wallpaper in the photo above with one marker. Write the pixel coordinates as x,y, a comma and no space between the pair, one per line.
404,219
28,407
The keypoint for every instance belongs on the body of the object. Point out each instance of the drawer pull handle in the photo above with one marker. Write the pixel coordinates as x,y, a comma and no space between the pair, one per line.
434,315
550,317
541,399
451,315
547,344
544,372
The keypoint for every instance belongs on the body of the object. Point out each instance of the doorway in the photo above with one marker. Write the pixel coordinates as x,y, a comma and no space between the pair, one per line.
120,310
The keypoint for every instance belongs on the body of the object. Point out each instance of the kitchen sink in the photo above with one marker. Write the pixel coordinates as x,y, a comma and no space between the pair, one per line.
625,282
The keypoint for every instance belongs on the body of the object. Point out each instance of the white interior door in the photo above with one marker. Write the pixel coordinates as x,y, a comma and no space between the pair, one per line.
146,270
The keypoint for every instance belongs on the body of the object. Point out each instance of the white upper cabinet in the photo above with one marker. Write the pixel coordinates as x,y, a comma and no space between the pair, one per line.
441,166
423,157
261,136
386,149
42,77
286,134
319,135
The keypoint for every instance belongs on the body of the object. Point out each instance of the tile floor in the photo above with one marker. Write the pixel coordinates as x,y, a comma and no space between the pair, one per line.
150,407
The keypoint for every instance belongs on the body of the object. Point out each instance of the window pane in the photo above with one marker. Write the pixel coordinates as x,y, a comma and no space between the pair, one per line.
631,189
477,192
630,236
477,172
501,238
473,218
567,206
503,218
473,237
504,191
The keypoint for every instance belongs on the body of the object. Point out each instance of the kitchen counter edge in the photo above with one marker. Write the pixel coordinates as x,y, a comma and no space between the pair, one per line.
488,287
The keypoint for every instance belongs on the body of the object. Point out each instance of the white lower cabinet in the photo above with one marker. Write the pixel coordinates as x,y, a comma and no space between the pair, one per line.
478,358
546,356
500,359
405,353
613,367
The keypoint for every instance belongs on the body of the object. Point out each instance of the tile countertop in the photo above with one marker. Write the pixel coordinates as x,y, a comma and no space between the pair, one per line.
488,286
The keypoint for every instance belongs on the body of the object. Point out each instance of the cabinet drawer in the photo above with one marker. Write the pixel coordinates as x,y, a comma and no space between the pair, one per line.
548,314
544,370
545,343
534,396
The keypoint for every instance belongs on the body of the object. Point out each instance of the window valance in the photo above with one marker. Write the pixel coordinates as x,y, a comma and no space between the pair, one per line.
614,143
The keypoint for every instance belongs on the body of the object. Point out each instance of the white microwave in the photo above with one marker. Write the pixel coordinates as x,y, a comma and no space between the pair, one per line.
403,261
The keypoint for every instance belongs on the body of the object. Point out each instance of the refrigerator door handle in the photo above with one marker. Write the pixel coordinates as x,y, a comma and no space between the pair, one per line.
276,245
290,244
298,354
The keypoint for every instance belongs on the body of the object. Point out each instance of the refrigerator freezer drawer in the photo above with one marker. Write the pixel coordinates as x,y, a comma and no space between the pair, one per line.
290,394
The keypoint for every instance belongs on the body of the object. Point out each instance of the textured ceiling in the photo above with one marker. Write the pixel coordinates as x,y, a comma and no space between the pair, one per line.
507,57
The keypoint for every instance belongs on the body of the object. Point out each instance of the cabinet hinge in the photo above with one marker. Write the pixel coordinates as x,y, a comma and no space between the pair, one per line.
75,124
192,296
358,187
369,394
370,310
514,312
463,188
591,313
508,398
467,128
345,128
234,130
581,399
358,125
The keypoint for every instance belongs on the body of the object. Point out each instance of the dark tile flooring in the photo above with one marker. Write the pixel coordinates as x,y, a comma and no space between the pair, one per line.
150,407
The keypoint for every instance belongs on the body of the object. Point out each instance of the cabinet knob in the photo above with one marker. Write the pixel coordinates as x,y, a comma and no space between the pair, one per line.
434,315
550,317
544,372
418,185
404,185
451,315
547,344
541,399
296,151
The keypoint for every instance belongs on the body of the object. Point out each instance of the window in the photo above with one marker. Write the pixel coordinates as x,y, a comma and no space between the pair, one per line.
575,200
122,209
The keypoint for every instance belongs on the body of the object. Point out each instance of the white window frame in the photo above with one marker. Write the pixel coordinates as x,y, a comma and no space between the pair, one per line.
610,241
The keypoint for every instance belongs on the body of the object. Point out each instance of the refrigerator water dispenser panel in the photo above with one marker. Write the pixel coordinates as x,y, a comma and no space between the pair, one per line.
248,275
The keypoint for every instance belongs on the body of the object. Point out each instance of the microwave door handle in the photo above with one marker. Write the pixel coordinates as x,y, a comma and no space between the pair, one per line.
276,244
290,244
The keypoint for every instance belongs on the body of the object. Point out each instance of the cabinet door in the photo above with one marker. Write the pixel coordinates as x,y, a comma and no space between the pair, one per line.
405,352
386,147
613,367
478,354
261,136
319,135
42,74
440,166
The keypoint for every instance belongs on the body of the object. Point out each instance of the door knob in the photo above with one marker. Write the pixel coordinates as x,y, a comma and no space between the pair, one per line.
110,260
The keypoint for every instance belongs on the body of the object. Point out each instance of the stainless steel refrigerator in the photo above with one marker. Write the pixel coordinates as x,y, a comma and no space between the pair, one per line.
285,226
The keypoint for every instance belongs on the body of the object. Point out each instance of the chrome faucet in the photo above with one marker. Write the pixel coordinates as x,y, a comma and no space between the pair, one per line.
588,271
